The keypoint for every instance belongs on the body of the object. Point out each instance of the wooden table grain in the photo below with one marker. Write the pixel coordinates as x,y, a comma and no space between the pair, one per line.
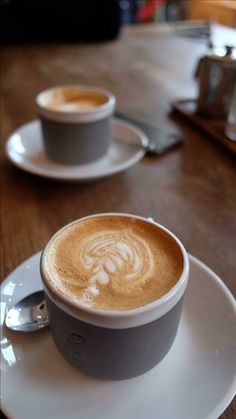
190,190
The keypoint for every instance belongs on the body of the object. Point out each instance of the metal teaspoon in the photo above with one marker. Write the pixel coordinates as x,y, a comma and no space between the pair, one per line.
29,314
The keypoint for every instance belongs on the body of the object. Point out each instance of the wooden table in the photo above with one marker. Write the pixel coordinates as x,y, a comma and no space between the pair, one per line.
221,11
190,190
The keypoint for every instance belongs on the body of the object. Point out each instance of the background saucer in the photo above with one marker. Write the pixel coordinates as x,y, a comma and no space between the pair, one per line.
197,379
25,149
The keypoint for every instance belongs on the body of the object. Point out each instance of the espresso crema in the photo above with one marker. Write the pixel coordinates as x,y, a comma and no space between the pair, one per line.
74,100
113,262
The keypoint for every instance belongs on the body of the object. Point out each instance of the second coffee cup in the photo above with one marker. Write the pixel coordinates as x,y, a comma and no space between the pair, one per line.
76,122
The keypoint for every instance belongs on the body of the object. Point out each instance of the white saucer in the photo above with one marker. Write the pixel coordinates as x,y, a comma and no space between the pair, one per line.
25,149
197,379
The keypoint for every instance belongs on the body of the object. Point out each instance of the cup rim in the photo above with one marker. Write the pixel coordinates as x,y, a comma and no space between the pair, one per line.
166,300
88,115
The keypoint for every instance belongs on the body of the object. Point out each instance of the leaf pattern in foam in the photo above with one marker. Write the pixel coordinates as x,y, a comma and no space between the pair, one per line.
114,254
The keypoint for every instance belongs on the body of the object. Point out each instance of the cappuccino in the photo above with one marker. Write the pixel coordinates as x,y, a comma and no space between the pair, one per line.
113,262
76,123
70,99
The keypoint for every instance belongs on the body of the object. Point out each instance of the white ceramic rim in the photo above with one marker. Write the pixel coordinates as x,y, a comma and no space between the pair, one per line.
95,114
118,319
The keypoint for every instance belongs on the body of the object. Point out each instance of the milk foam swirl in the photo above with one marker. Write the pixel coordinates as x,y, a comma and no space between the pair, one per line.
113,263
115,258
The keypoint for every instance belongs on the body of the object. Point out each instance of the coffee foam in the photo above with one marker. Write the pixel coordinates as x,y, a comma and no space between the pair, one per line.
74,100
113,263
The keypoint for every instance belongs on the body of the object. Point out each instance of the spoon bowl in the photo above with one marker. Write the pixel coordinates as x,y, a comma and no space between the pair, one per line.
28,315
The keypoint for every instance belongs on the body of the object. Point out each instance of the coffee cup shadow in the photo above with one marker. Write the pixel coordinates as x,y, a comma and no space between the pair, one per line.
42,360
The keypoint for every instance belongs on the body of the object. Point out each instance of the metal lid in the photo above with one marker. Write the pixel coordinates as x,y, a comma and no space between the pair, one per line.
223,56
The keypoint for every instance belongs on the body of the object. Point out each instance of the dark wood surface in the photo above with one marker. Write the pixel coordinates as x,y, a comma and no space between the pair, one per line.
213,127
190,190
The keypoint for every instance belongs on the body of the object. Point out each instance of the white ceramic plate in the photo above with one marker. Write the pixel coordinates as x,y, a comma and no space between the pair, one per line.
25,149
197,379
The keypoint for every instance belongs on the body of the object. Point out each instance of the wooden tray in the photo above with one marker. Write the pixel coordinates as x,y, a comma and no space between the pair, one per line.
212,127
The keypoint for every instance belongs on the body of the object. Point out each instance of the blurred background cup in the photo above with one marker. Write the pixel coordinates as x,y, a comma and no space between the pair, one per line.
230,129
76,122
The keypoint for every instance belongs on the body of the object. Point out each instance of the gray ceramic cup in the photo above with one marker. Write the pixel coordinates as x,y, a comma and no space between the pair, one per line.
76,136
115,345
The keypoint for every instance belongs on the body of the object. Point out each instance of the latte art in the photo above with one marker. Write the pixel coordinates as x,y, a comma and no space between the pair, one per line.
113,262
71,100
117,258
